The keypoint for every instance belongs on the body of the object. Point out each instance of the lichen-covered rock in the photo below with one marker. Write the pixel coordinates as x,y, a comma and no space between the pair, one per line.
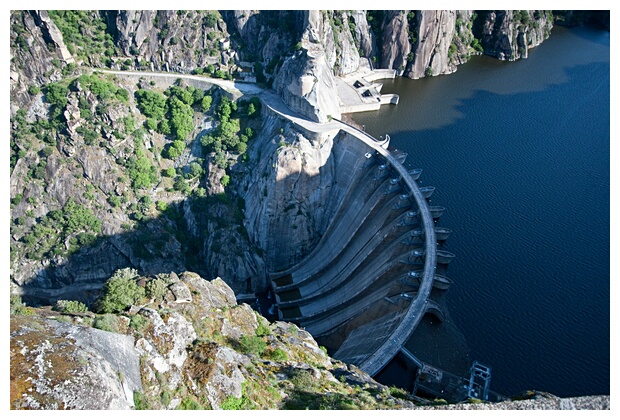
181,292
55,365
209,353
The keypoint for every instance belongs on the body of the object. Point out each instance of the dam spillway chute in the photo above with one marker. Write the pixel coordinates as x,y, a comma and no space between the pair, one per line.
348,290
436,211
415,173
401,157
427,191
441,282
444,257
442,233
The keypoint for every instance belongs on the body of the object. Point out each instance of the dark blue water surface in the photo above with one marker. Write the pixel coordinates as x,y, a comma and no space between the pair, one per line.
519,154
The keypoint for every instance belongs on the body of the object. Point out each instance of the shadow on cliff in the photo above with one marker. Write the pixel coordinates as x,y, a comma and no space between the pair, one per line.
206,235
173,241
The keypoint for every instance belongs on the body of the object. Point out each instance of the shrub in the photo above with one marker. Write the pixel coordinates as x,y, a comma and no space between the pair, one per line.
181,185
162,206
196,169
164,127
174,150
138,323
114,200
205,103
150,124
188,403
181,118
398,392
157,288
262,330
56,94
121,291
210,19
107,322
151,103
34,90
252,345
72,306
242,147
47,151
278,355
225,180
232,403
140,402
18,307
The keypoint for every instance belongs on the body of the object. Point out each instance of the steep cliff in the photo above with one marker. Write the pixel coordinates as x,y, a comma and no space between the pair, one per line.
306,83
38,53
509,34
289,191
93,190
171,40
436,30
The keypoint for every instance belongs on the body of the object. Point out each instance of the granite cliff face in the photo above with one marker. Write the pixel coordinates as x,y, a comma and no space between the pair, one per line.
37,54
289,193
170,40
509,34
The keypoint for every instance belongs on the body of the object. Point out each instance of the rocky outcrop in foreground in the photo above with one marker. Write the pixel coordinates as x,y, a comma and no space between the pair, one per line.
194,347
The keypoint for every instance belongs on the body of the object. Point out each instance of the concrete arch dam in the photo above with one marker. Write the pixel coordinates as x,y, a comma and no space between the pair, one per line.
366,284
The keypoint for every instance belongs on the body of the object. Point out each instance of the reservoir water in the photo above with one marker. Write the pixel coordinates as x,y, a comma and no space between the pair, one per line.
520,155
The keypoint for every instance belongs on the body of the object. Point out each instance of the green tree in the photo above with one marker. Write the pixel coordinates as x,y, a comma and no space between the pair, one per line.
196,169
121,291
152,104
164,127
56,94
205,103
70,306
181,118
174,150
151,124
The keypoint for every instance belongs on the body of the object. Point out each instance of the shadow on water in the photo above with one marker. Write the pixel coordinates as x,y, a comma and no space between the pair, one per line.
438,102
525,179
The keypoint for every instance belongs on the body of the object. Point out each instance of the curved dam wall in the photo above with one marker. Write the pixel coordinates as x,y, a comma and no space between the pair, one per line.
361,283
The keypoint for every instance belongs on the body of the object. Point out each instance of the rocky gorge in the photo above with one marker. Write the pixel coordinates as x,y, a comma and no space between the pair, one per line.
100,181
